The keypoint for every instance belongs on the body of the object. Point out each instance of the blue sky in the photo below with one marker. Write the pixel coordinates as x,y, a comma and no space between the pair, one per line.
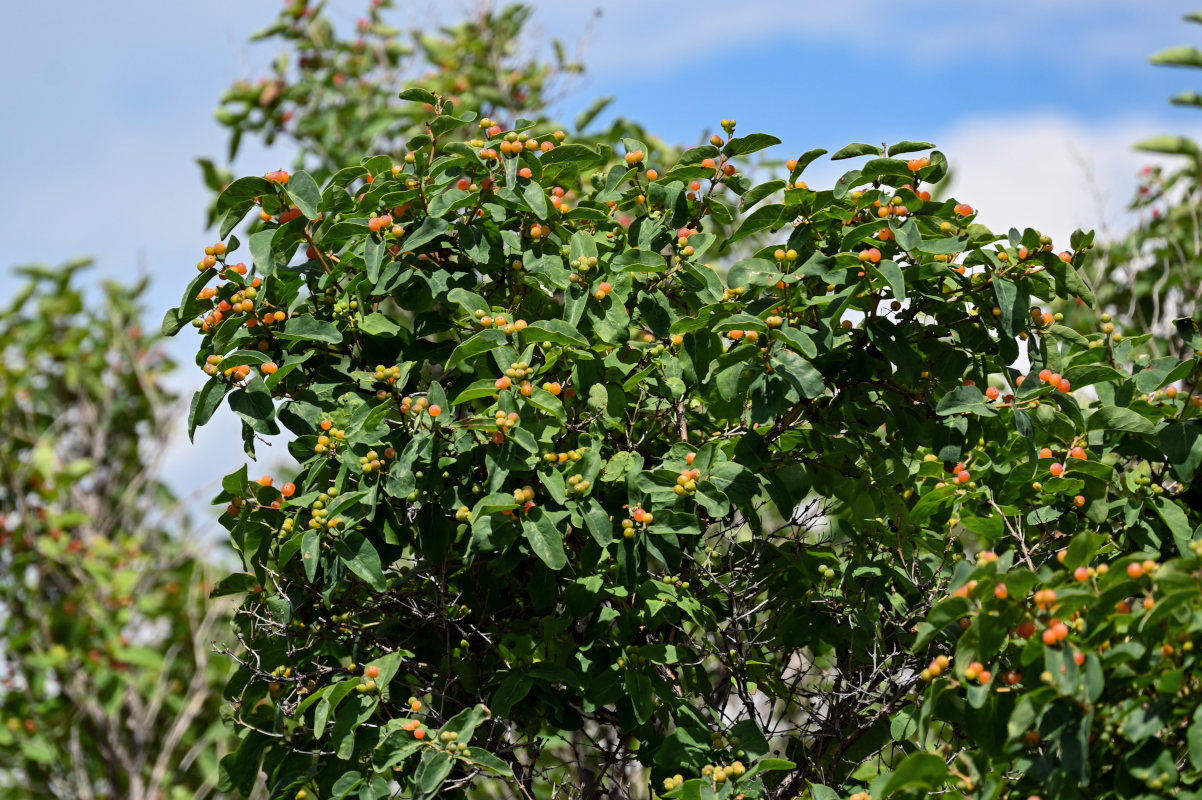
1036,103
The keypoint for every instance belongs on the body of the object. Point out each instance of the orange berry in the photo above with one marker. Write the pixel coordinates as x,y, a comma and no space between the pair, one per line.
1081,574
1045,452
420,733
1078,452
1026,629
326,424
415,706
269,368
993,393
1056,469
1045,375
371,671
1079,657
435,410
1049,637
1135,570
266,480
288,489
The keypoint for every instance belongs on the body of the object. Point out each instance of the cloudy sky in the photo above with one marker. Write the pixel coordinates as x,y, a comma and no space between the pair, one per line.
1036,103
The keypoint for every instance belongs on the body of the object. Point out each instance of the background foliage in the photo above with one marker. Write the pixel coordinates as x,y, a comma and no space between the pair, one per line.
110,688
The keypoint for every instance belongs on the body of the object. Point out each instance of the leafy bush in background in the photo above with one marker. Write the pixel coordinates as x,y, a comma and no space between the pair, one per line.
109,688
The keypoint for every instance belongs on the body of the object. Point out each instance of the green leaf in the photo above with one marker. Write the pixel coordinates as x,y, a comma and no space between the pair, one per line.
1012,304
762,218
243,192
379,324
1181,443
1179,56
305,328
555,331
1162,372
638,689
361,558
892,274
908,235
1195,739
772,765
204,404
535,197
485,760
417,95
741,146
856,149
758,193
512,690
945,246
311,553
925,772
432,771
373,257
809,158
237,583
909,147
430,229
305,193
1115,418
964,399
1170,145
395,749
545,539
254,405
470,302
482,342
881,167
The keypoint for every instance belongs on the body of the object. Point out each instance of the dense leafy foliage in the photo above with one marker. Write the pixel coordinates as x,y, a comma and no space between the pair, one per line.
108,686
571,499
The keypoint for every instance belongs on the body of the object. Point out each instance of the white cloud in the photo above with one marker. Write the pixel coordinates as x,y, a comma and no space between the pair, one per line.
1049,172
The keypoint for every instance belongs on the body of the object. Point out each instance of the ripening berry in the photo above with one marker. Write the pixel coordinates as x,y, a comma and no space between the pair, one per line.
288,489
992,393
1135,570
269,368
326,424
1079,501
434,411
1045,452
1081,574
1056,468
371,671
